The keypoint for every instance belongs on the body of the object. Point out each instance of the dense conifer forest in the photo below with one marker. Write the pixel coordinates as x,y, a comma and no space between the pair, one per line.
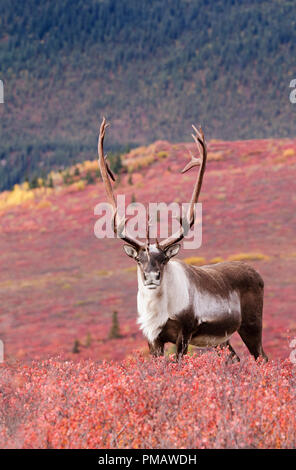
152,67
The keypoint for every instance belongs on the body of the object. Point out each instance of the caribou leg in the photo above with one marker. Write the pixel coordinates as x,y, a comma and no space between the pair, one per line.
156,348
250,329
252,337
233,356
182,344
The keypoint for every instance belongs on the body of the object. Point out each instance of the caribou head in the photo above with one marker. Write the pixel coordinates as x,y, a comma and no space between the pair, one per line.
153,257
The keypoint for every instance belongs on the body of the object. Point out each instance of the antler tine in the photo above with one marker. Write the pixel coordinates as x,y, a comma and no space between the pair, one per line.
199,139
103,164
196,161
109,169
118,226
148,222
188,221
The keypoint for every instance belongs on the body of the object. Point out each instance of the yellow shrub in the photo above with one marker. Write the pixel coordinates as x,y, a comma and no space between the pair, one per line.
195,260
103,273
79,186
141,162
218,259
15,197
25,186
57,178
136,152
90,165
43,204
130,269
248,256
215,156
48,191
162,154
220,196
171,349
141,157
289,152
39,192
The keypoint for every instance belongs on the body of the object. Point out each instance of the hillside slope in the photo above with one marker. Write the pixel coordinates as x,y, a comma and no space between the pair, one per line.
60,285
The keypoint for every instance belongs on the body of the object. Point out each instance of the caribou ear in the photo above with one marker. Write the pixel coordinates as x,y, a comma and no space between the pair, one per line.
130,251
172,250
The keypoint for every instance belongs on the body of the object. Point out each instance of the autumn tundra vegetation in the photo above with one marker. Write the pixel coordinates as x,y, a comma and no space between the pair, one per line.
202,402
76,375
77,371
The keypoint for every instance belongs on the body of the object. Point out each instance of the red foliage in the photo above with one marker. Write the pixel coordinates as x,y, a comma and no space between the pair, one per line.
60,284
148,403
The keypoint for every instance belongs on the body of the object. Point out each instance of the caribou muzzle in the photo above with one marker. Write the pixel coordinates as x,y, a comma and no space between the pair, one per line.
151,279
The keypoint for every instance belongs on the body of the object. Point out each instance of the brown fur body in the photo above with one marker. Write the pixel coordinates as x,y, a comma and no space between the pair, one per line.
218,280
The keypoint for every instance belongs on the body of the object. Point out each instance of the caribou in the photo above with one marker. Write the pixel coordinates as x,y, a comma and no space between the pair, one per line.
184,304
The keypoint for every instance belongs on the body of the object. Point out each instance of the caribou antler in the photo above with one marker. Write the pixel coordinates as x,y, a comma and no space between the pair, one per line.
118,225
188,221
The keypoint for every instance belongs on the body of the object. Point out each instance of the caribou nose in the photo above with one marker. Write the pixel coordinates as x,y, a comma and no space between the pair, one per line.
152,277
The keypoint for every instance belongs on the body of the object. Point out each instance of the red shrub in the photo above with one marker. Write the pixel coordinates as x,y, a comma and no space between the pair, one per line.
148,403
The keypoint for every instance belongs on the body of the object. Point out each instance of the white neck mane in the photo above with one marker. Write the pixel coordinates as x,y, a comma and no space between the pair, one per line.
156,306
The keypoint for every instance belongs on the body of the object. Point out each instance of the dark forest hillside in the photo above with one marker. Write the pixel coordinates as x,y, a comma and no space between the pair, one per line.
152,67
